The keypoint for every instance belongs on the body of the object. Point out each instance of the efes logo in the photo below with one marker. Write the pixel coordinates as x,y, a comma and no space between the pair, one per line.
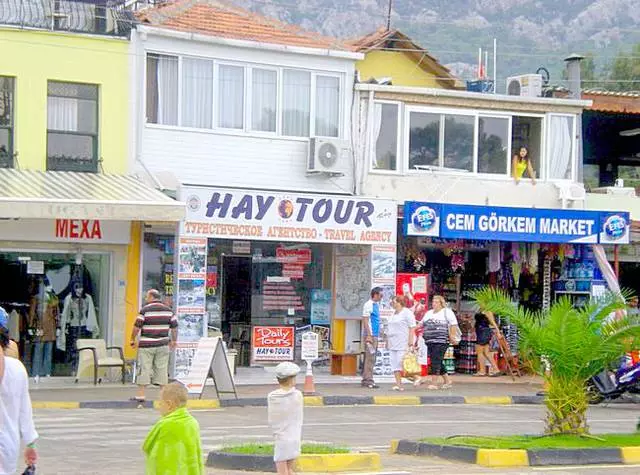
615,227
423,219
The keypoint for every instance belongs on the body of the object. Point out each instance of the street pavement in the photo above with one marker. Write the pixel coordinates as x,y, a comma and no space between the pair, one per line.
104,441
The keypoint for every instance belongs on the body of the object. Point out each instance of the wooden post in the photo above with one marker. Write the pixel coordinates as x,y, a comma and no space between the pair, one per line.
616,261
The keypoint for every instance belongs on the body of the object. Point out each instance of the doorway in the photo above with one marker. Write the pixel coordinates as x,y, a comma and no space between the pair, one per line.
236,304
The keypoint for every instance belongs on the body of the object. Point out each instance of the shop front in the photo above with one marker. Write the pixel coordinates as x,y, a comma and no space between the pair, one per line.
262,267
68,258
536,255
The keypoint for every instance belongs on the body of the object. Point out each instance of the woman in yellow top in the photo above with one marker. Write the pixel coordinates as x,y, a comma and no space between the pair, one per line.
520,164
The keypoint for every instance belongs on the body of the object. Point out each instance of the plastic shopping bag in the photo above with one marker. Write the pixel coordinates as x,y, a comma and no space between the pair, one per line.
410,364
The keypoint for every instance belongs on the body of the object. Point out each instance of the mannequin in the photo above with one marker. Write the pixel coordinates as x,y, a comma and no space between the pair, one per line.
78,320
44,314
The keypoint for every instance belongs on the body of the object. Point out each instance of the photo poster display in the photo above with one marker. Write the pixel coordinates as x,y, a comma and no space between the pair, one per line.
191,289
383,275
320,307
209,360
185,351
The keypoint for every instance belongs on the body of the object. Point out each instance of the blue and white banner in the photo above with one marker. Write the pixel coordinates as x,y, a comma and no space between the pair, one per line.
495,223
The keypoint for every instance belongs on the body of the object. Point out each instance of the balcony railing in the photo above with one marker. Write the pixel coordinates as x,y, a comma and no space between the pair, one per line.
101,17
60,163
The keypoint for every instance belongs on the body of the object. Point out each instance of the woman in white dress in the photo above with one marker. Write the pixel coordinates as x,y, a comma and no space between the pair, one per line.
400,336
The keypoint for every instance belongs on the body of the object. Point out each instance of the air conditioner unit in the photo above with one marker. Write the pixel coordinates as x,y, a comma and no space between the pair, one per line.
325,156
526,85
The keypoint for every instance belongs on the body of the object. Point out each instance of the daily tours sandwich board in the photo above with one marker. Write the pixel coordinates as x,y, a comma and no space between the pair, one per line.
210,360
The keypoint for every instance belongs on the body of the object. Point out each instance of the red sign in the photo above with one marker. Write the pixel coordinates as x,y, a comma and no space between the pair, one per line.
293,256
78,229
414,287
293,271
273,343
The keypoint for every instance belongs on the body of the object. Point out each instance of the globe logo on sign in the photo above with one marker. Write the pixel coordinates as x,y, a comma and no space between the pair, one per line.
615,227
423,219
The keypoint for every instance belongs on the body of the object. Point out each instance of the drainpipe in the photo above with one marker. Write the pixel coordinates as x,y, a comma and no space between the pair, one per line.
574,74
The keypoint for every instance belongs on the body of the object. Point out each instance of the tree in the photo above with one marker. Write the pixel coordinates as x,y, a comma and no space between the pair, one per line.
573,343
625,71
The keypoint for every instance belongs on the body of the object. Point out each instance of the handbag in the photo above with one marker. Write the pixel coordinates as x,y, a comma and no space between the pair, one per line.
410,364
455,335
30,470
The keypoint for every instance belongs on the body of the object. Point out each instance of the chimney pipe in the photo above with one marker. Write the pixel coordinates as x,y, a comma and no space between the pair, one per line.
574,75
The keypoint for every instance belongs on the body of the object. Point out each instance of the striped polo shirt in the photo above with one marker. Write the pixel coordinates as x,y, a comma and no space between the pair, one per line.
155,320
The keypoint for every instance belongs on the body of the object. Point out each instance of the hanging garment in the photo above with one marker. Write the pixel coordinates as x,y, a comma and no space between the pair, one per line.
77,312
533,257
494,257
14,325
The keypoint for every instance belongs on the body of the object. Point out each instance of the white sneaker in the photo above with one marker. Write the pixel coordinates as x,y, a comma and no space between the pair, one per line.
36,379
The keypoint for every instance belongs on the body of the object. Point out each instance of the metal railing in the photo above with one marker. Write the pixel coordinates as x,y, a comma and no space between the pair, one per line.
61,163
101,17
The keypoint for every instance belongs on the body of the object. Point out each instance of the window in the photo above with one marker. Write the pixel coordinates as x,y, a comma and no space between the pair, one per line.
162,89
424,139
327,106
231,97
296,103
493,145
561,137
264,100
527,132
458,141
197,93
6,122
72,126
384,155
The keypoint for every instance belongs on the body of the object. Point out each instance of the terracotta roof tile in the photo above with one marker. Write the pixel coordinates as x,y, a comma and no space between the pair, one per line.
613,101
221,19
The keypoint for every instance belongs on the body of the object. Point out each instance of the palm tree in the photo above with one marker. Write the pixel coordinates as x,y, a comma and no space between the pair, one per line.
567,346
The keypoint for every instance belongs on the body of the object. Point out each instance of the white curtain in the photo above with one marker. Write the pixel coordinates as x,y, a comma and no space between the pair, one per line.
296,103
62,114
167,90
197,93
264,99
231,97
376,125
327,106
560,147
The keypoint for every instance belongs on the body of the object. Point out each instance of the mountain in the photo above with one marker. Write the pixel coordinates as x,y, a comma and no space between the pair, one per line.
530,33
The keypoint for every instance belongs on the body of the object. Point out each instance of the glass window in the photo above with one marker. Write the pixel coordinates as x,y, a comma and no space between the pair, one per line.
327,106
561,139
493,145
264,100
527,132
72,126
385,128
296,103
157,263
197,93
231,97
162,89
6,122
424,139
458,141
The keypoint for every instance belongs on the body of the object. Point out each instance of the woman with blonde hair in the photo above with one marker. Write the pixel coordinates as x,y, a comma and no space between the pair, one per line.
400,336
439,329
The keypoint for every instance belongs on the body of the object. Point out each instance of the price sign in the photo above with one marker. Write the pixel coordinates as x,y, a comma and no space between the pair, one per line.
309,349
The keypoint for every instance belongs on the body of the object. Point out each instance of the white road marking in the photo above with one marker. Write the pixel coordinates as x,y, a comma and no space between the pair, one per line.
582,467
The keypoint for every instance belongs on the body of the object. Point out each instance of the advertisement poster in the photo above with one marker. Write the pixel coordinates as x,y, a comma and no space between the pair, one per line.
191,294
415,285
276,216
183,357
324,333
353,280
272,343
383,264
320,307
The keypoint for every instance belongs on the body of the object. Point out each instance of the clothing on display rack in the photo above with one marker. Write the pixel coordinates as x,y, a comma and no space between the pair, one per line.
78,321
44,319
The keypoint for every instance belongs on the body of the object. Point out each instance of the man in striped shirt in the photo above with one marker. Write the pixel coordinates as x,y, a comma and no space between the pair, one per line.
158,329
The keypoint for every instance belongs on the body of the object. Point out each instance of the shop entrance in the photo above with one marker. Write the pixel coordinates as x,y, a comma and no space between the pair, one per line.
236,304
53,299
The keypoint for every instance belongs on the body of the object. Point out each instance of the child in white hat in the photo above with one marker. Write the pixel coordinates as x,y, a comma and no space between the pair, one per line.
285,407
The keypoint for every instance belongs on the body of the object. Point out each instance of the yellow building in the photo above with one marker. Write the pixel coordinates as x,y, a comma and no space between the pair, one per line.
70,218
391,56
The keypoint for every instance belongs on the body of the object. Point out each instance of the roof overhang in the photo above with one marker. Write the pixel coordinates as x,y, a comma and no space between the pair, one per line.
199,37
69,195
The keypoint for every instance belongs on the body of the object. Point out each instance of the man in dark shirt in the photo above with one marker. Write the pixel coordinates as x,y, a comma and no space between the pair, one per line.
157,327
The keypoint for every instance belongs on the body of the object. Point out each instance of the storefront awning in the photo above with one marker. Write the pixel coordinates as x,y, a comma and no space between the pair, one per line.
70,195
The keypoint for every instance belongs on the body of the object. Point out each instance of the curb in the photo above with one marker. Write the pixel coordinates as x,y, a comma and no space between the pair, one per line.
519,458
309,401
323,463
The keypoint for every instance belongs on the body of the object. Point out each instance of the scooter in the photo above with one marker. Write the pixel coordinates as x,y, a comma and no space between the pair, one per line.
610,385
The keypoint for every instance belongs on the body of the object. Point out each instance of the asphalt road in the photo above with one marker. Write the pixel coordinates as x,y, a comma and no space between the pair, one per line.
108,441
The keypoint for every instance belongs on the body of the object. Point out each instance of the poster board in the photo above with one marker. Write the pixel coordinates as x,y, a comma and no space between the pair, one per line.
272,343
209,360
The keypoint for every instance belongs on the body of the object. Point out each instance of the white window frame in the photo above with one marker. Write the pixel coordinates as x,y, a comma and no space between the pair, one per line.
495,115
574,148
399,142
543,146
248,67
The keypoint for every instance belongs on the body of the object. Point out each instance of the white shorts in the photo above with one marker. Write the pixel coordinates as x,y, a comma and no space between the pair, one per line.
396,357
